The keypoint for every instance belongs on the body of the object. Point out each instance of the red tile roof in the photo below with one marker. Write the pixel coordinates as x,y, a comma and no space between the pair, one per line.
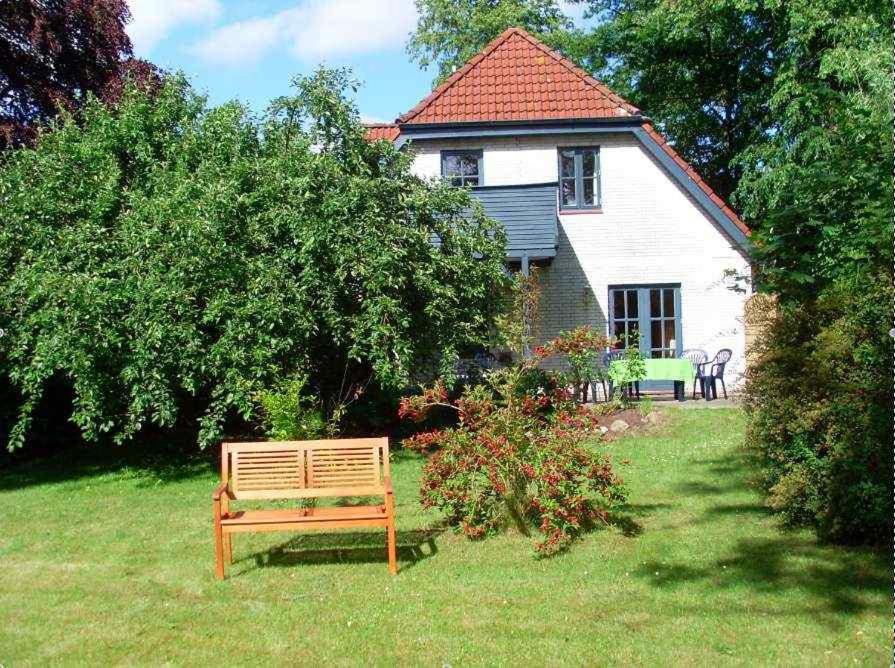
517,78
389,131
683,164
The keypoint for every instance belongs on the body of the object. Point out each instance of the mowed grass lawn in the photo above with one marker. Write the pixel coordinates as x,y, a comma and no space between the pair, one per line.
102,564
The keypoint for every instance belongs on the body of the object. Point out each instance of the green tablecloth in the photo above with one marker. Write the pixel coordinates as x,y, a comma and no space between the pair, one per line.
656,369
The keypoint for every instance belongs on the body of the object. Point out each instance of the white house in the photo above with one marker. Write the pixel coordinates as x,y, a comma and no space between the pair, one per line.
628,237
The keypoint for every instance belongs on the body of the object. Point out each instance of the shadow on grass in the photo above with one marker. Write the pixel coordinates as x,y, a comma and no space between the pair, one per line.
737,509
151,464
720,487
627,518
799,574
825,580
338,548
644,509
628,526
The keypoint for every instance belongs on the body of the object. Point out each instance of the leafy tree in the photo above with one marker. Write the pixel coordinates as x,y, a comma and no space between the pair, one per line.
819,185
161,253
53,53
700,69
450,32
819,401
820,188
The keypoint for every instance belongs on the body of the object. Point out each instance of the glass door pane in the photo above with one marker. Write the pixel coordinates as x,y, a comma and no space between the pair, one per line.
663,323
625,327
648,311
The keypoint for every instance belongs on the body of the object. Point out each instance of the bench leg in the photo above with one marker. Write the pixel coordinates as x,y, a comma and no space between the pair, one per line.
392,550
390,535
228,537
218,544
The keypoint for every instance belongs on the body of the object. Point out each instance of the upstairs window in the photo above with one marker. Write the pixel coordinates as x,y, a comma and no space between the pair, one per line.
579,178
462,168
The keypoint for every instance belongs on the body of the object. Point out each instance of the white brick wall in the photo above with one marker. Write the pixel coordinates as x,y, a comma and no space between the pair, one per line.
650,231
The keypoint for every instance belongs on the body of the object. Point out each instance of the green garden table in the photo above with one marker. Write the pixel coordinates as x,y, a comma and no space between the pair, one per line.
674,369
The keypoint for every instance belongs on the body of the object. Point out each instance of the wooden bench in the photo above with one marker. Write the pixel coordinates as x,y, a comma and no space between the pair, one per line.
302,470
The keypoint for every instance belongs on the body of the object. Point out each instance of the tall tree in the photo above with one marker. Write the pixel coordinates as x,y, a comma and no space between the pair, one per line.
819,185
700,69
160,256
819,188
53,53
450,32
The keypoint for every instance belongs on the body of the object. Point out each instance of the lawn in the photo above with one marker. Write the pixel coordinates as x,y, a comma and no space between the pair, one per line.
105,564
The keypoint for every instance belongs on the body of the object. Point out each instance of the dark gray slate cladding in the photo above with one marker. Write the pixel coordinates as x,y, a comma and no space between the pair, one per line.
528,212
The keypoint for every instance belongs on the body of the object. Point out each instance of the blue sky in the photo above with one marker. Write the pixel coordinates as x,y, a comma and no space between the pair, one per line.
251,49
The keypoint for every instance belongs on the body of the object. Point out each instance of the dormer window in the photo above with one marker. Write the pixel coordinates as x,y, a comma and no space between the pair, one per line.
579,178
462,168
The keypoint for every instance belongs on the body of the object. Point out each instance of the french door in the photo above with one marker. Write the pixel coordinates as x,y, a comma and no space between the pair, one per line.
648,316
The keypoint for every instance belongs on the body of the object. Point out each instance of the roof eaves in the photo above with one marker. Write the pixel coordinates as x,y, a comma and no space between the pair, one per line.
692,174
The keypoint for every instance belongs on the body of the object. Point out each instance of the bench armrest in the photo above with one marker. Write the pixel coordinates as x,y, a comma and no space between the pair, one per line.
220,490
387,481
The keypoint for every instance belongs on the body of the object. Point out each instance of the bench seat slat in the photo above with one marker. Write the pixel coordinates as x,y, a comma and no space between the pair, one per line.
305,526
305,514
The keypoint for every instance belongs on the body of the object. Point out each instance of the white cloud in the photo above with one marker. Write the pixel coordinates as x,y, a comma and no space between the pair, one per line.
153,20
313,31
244,41
575,11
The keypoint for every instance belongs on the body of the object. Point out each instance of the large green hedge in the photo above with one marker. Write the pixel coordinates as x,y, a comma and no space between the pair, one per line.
163,251
819,187
820,406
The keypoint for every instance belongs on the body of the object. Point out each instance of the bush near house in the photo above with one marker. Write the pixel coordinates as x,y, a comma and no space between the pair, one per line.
819,415
161,254
582,348
820,189
516,456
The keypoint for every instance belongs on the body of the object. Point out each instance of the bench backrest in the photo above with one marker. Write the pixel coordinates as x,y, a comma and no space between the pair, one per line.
302,469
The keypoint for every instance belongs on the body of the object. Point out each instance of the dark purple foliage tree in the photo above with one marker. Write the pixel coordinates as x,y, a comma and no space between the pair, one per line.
54,52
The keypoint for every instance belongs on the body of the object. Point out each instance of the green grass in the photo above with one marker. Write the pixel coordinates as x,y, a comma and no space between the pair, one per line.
101,564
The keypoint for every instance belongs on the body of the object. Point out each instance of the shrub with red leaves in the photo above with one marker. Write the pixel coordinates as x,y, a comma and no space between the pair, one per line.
575,341
417,407
515,459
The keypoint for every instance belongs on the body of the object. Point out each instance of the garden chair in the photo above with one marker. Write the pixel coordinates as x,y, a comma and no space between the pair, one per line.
598,378
699,358
716,372
485,360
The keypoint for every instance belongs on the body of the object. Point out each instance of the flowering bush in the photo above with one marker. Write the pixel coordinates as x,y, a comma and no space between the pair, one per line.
582,347
515,456
578,340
